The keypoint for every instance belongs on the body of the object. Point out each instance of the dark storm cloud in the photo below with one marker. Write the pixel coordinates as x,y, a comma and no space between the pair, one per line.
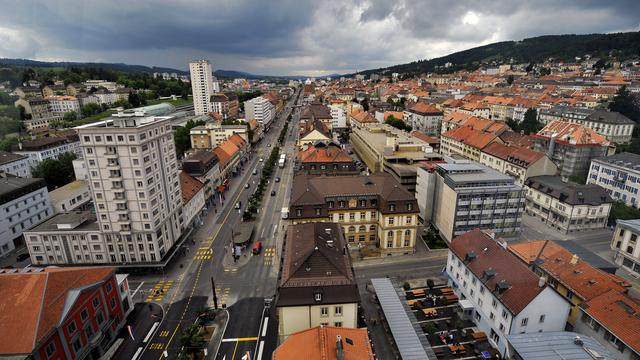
289,36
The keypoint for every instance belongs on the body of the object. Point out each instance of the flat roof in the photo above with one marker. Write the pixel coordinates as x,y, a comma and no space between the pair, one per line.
87,222
71,189
410,344
557,345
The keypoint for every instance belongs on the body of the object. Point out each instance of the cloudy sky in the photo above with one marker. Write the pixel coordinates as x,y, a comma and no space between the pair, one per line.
288,37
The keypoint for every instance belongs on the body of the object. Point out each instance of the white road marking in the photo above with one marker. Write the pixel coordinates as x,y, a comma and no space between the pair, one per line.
259,356
264,327
136,290
137,354
146,338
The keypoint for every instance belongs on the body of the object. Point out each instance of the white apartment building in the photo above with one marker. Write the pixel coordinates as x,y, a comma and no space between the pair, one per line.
567,206
24,203
44,148
619,174
338,116
261,109
518,162
133,177
64,104
201,86
424,118
499,293
625,244
15,164
109,85
106,96
462,195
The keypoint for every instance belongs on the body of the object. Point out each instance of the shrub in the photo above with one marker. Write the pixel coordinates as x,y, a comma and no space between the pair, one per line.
406,286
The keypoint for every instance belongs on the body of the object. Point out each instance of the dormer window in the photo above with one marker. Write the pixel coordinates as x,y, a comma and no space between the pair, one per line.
330,204
317,296
341,203
409,206
392,207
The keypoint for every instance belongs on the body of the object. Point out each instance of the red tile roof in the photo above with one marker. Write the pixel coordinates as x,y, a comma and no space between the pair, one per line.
32,304
573,134
426,138
471,137
581,278
513,154
424,108
324,154
491,255
319,343
618,313
189,186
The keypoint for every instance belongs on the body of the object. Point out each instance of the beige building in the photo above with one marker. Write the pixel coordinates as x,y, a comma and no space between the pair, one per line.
72,197
213,133
377,215
625,244
316,285
567,206
133,177
520,163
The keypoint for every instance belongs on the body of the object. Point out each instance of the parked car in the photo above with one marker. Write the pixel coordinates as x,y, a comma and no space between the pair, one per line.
277,179
238,204
273,193
255,171
246,186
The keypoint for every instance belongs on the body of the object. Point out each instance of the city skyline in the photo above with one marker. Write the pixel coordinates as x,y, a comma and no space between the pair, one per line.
289,38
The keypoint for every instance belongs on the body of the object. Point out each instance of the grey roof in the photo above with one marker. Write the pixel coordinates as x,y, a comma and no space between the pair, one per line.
460,173
625,159
633,225
78,221
609,117
7,157
569,192
12,187
409,343
589,256
556,345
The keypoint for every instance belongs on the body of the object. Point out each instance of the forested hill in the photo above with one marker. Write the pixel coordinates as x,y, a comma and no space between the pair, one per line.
536,49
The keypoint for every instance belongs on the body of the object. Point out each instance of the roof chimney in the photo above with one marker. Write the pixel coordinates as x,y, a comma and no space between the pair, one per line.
339,349
541,281
574,259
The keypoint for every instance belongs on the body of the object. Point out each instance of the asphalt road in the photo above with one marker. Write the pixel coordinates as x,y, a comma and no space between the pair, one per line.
187,283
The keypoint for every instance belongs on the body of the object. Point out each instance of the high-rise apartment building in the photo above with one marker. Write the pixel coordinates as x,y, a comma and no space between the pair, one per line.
133,177
201,86
261,109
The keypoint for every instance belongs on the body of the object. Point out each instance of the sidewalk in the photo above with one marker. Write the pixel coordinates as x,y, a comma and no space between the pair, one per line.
141,320
218,325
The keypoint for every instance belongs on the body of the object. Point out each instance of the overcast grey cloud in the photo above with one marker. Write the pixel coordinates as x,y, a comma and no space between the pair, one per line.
288,36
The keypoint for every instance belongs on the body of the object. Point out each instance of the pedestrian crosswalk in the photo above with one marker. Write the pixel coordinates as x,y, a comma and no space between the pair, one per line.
203,253
159,290
231,269
164,333
223,295
156,346
269,256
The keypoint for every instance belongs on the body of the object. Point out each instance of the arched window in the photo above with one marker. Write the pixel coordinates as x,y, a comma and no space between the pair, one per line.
372,228
362,228
390,234
352,228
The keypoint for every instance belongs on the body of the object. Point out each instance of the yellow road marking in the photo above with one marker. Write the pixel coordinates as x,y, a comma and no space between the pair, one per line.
196,281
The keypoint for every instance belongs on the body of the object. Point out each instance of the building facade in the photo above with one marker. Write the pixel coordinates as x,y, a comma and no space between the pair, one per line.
15,164
424,118
133,177
465,196
75,196
225,104
45,148
201,86
567,206
619,174
625,244
316,284
518,162
377,215
506,296
260,109
24,203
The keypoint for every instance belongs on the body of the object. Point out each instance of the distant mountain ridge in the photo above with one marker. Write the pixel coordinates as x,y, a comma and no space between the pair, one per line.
223,74
535,49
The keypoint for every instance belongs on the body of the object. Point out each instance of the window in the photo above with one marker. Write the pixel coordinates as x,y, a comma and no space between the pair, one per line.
408,221
390,221
72,327
88,330
494,303
113,303
84,314
524,322
50,349
324,311
541,318
337,311
318,296
352,216
491,316
77,344
504,314
100,317
337,324
392,207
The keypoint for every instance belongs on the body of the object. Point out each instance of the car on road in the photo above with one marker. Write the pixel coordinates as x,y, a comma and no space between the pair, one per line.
261,160
268,145
277,179
257,247
255,171
273,193
238,204
246,186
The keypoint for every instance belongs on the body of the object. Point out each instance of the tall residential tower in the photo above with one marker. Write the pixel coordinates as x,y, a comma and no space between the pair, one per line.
201,86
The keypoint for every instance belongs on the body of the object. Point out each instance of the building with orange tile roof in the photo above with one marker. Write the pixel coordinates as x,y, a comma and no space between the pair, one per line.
361,118
466,141
571,146
424,117
573,278
326,343
193,197
61,313
507,297
518,162
613,319
326,159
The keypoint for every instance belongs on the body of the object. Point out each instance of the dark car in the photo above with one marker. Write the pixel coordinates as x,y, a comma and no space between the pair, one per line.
273,193
277,179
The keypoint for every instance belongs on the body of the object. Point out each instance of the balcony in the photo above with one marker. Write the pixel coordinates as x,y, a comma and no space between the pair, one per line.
96,338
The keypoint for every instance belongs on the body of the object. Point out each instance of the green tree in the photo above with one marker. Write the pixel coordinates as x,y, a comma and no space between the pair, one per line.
70,116
122,103
59,124
510,79
530,124
56,172
90,109
529,67
134,99
626,104
398,124
192,339
182,138
9,126
7,143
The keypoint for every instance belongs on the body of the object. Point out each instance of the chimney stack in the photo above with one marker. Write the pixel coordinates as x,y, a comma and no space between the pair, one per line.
574,259
339,349
541,281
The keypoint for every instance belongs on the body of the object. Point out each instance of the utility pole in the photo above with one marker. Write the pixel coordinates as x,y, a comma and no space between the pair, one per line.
215,297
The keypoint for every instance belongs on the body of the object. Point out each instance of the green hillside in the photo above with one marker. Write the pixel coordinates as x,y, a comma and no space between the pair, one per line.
536,49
